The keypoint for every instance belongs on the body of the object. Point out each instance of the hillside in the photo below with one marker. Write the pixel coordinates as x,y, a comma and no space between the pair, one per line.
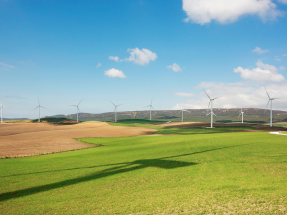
253,115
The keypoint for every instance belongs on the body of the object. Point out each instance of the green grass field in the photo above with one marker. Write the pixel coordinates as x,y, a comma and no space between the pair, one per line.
183,131
242,173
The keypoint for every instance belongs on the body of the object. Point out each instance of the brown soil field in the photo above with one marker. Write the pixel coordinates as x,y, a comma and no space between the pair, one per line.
26,139
207,125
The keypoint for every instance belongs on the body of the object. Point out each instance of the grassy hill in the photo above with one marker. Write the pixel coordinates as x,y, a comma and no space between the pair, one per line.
235,173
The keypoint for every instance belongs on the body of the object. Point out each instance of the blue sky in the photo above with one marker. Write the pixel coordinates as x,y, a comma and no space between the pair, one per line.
63,51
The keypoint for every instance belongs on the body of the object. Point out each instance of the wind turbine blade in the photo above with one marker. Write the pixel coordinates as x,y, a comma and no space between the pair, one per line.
113,103
217,97
35,108
148,106
267,93
119,105
178,113
73,105
206,94
267,105
38,101
208,107
214,114
43,107
239,115
80,102
152,107
275,98
208,113
151,101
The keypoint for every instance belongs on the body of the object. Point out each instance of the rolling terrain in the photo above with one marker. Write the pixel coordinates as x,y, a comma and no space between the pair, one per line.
252,115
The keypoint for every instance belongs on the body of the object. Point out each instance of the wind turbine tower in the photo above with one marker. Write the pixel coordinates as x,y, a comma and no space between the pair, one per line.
181,113
151,107
39,106
1,107
241,113
211,111
78,109
270,100
116,109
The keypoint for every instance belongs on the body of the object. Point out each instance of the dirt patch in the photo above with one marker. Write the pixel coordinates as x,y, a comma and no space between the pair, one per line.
207,125
26,139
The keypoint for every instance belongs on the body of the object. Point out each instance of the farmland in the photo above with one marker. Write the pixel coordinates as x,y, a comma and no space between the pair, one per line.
239,172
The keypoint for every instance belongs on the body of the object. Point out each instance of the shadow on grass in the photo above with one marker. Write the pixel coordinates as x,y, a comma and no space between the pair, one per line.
123,168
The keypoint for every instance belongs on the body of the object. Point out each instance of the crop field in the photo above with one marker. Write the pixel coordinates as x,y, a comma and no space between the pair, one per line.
241,172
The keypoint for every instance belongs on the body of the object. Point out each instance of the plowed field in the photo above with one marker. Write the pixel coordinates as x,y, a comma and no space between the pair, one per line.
26,139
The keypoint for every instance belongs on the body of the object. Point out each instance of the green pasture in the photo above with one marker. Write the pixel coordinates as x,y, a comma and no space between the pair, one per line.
170,130
236,173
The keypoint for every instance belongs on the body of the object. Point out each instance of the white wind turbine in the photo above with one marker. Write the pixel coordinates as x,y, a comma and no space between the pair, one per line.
151,107
78,110
116,109
211,105
39,106
242,114
181,113
1,107
270,100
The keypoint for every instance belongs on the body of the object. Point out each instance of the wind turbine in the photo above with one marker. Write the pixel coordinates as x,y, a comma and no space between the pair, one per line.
78,109
242,114
39,106
211,112
181,113
270,100
116,106
151,107
1,107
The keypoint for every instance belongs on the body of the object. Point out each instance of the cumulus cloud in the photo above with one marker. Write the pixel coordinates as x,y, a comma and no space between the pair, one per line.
227,11
99,64
6,65
236,95
183,94
115,73
263,73
283,1
259,50
115,58
141,57
175,67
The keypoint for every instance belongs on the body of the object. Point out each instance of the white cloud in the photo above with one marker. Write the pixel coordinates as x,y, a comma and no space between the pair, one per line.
141,57
284,55
237,95
175,67
115,58
259,50
277,58
184,94
99,64
263,73
115,73
227,11
282,68
283,1
7,66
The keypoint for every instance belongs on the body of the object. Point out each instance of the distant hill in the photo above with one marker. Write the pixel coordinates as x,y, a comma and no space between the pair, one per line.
8,119
252,115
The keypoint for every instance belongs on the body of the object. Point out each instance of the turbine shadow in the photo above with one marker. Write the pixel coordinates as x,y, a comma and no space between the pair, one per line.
128,167
123,168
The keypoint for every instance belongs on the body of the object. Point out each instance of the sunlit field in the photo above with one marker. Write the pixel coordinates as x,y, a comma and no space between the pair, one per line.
242,173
